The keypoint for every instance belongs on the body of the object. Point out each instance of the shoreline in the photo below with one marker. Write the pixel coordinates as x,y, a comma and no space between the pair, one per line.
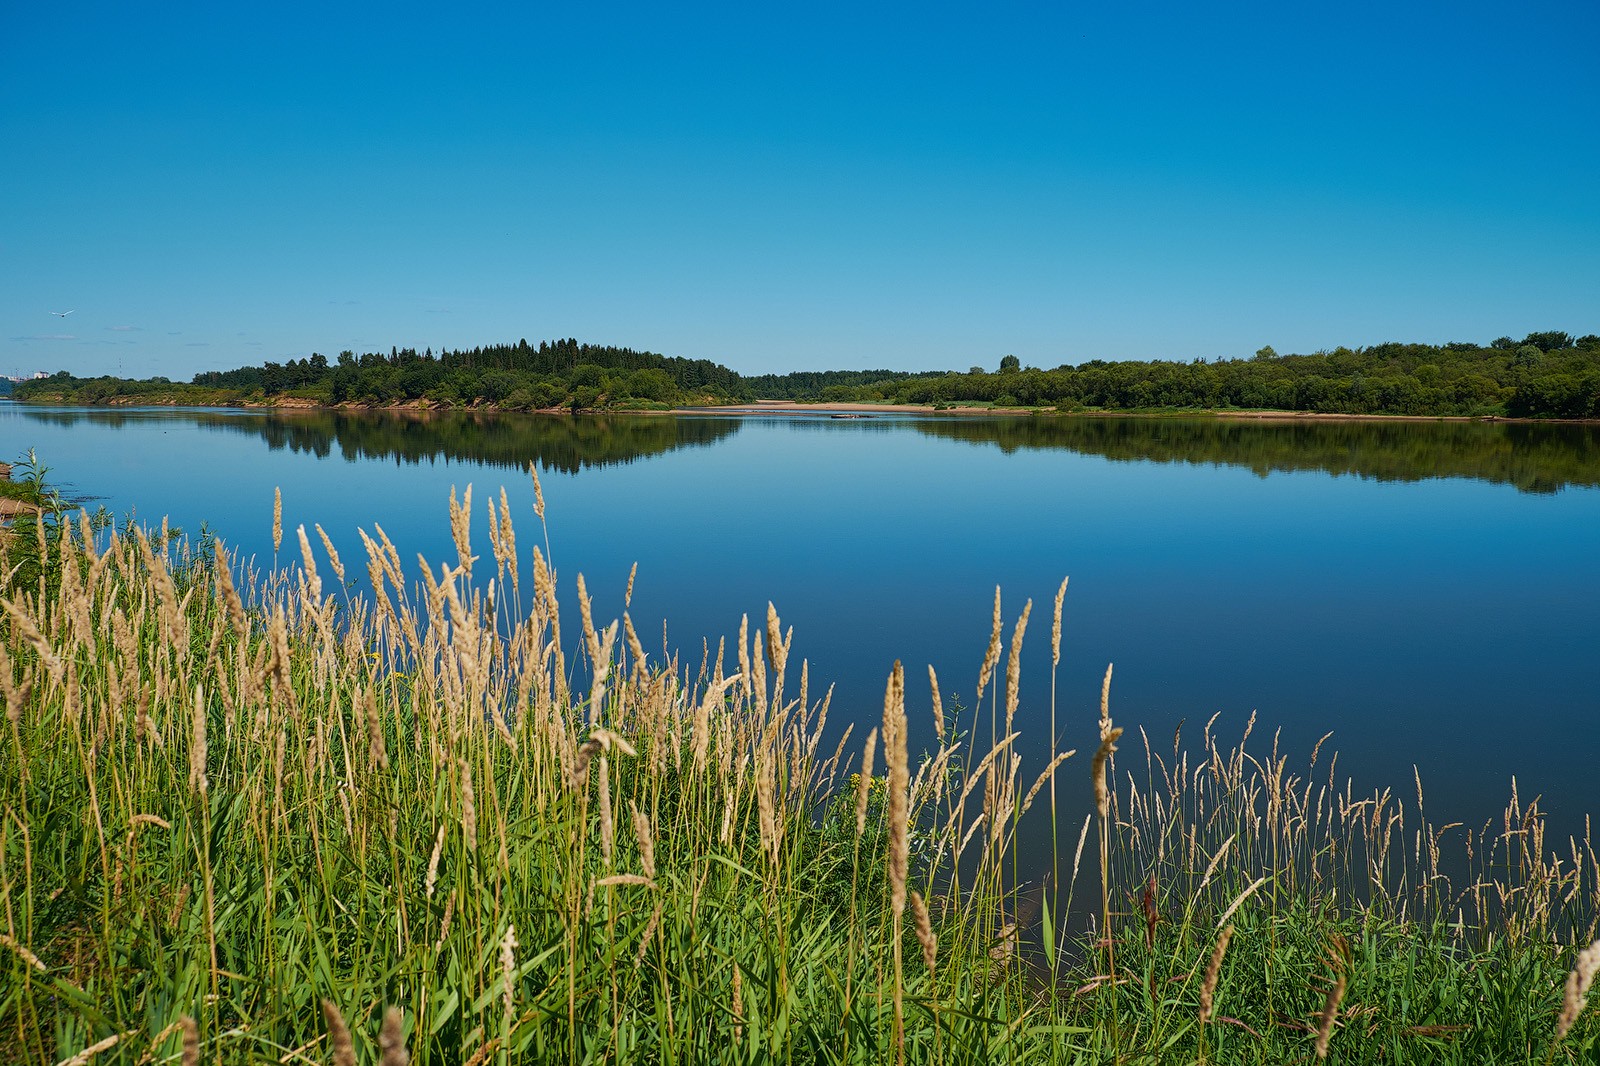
798,407
766,407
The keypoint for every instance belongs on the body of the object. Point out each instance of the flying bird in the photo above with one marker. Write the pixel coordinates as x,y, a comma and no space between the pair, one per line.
62,314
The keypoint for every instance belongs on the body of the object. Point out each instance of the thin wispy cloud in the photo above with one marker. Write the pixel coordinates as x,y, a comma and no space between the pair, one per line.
126,329
48,337
197,344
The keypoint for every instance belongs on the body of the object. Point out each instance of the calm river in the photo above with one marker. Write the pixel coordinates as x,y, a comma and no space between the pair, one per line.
1428,592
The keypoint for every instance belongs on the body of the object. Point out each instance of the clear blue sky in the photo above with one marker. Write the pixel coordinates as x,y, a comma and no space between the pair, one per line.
912,186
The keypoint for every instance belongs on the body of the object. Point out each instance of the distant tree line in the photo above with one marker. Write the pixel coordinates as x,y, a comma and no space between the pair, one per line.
834,385
1549,374
560,373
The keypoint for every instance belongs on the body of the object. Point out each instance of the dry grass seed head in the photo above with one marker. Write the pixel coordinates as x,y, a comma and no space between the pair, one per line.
1330,1012
197,746
992,655
925,937
864,781
1044,776
508,970
508,537
460,528
894,727
309,566
376,749
392,1039
1055,627
17,697
333,556
776,646
469,807
191,1041
1208,987
6,940
766,803
580,763
1102,791
87,1055
1577,990
538,491
1105,703
25,627
649,933
433,863
607,829
1014,664
344,1052
590,636
635,647
230,595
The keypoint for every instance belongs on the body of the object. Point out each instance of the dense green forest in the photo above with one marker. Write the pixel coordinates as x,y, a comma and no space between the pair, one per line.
1549,374
837,386
562,373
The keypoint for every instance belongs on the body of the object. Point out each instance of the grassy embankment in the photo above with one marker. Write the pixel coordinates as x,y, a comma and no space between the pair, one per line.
254,819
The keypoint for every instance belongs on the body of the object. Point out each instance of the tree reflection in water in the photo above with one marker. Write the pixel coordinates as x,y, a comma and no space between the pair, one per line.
566,443
1535,458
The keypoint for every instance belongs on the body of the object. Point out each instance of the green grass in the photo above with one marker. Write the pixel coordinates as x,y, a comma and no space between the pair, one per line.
231,808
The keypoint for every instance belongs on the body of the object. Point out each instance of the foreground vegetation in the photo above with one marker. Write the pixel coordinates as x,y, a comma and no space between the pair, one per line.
256,818
1548,374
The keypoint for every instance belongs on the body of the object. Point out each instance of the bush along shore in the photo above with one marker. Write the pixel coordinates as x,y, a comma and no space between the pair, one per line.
247,818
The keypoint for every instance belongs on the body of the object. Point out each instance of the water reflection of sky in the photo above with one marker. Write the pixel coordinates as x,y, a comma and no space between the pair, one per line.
1445,622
